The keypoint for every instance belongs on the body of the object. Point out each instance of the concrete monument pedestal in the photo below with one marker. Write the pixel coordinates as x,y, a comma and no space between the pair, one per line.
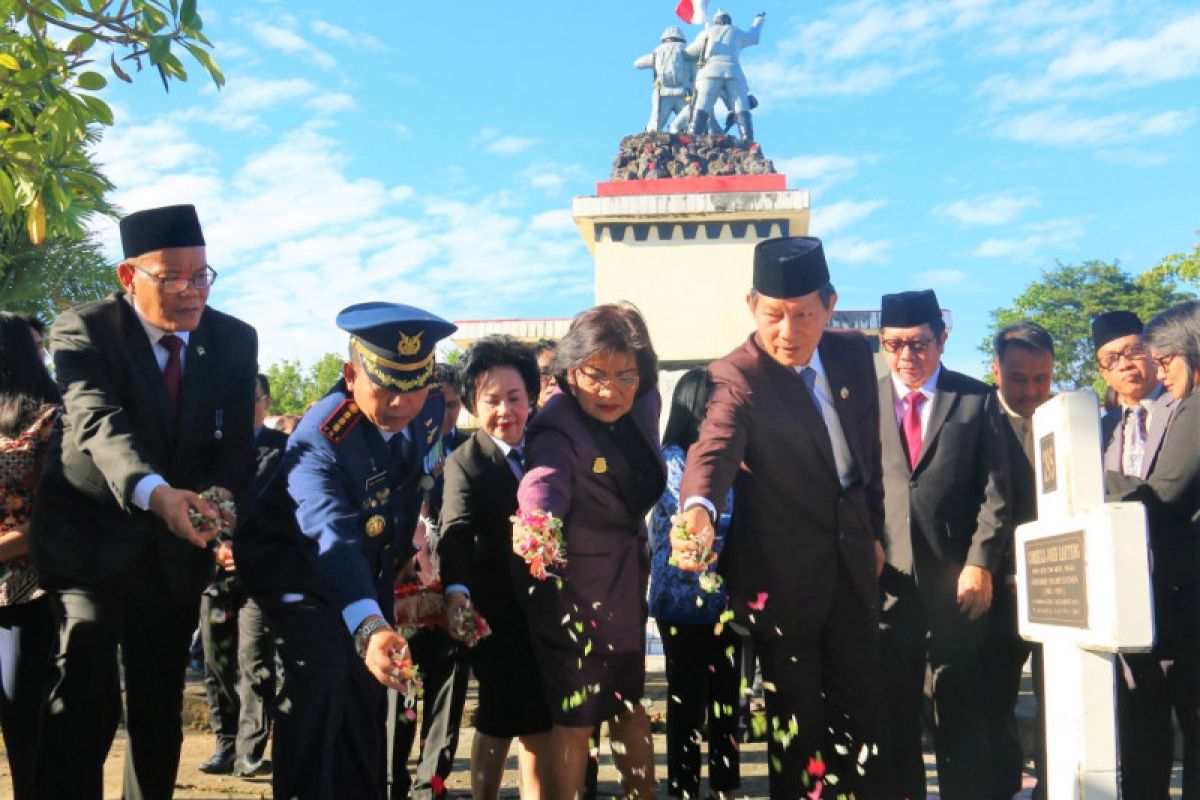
680,249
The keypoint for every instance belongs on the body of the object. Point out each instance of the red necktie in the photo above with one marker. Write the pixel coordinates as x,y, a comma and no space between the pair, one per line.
173,371
912,426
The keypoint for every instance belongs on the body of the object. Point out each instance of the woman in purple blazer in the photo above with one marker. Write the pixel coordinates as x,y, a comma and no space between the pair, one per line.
595,464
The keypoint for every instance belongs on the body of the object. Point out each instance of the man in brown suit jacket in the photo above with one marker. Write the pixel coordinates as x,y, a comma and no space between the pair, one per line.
793,427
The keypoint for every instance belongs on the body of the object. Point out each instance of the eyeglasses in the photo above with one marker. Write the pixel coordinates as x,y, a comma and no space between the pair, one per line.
918,346
201,280
1163,362
591,380
1113,360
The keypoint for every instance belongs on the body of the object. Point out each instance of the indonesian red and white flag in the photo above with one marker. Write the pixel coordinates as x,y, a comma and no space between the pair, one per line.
694,12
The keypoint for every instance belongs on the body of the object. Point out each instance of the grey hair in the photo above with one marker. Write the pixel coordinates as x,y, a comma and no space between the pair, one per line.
1176,332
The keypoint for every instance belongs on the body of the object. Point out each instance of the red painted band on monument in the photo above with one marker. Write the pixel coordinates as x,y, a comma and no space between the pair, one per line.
700,183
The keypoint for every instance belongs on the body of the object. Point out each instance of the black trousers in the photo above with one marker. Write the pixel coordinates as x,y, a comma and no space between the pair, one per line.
1144,724
955,647
703,680
1003,661
239,667
822,693
445,672
152,624
26,639
328,741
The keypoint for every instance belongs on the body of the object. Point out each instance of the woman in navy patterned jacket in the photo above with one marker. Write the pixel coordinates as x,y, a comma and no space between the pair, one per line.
702,665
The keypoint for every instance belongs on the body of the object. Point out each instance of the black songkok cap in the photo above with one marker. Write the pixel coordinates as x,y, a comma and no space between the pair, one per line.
395,343
789,266
160,228
1113,325
910,309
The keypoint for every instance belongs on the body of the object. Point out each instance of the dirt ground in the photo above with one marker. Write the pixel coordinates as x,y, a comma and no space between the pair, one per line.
198,745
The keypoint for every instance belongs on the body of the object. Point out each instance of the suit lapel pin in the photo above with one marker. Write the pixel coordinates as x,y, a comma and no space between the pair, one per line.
199,349
844,393
600,466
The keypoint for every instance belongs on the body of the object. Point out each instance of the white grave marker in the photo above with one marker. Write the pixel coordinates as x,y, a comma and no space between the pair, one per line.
1083,591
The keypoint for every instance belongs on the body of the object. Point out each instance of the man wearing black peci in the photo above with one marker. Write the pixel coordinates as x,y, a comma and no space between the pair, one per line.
159,393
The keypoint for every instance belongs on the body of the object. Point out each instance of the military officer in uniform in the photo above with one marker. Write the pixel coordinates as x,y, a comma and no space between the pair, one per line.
320,550
717,49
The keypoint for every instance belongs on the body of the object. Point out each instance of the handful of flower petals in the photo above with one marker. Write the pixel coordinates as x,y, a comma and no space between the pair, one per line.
411,686
468,625
538,538
710,580
220,500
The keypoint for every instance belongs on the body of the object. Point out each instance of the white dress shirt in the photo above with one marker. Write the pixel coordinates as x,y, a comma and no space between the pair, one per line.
928,388
146,486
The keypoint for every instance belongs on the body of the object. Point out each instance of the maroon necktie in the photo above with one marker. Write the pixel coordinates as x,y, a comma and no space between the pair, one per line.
173,371
912,426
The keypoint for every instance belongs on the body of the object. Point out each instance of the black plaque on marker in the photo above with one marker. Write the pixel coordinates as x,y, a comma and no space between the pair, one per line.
1056,571
1049,464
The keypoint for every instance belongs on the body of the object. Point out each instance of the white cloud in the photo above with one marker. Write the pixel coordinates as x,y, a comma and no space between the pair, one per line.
296,237
939,279
331,103
1035,241
992,209
286,40
557,220
1059,128
500,144
1169,53
1097,63
250,94
858,251
336,33
819,172
832,217
551,176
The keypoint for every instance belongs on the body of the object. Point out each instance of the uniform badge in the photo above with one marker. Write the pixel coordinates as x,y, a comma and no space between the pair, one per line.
600,466
375,526
341,421
426,483
845,393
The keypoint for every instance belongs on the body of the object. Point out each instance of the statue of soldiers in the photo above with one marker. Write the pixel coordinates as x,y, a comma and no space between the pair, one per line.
720,75
674,77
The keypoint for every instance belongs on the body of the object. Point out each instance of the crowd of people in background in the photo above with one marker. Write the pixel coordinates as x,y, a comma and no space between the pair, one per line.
847,535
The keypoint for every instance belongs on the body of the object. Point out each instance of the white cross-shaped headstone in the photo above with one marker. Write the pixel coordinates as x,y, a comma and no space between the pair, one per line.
1083,589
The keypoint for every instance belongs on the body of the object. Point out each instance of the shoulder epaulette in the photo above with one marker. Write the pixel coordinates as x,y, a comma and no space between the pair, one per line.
341,421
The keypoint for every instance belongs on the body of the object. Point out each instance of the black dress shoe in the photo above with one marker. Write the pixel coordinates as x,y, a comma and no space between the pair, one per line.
248,767
221,763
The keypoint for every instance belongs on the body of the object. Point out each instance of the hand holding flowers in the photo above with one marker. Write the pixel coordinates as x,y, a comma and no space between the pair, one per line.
538,538
692,551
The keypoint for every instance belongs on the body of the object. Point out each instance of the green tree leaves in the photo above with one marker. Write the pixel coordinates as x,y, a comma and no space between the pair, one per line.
47,116
294,389
1067,298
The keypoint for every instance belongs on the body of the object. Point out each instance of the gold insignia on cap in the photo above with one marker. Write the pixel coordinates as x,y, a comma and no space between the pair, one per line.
375,526
600,465
409,345
845,393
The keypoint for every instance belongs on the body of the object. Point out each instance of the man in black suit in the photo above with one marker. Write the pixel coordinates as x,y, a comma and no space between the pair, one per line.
1023,368
239,649
792,426
159,394
1131,436
945,477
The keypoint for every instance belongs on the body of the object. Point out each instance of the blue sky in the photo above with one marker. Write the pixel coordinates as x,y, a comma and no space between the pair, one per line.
427,153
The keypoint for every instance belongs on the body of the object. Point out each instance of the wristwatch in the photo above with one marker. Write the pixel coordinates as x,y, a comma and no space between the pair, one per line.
363,634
